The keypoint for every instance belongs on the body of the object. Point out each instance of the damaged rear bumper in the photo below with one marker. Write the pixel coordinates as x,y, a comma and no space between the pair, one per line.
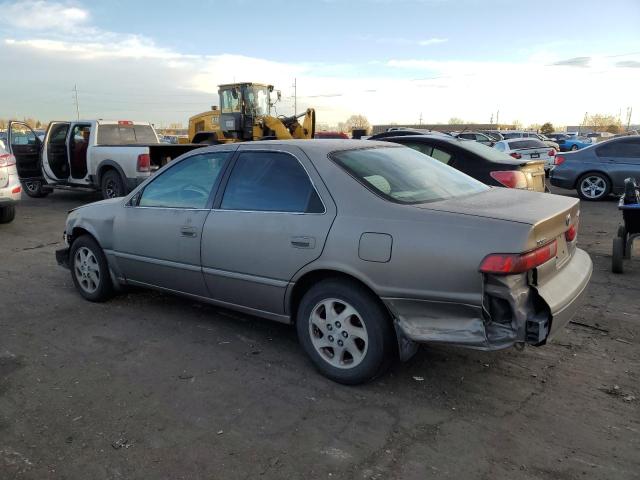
513,311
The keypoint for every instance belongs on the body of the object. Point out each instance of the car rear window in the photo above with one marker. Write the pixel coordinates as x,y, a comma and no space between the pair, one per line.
125,134
486,152
403,175
529,143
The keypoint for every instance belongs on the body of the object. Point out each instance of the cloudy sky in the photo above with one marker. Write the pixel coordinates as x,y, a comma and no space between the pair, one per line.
391,60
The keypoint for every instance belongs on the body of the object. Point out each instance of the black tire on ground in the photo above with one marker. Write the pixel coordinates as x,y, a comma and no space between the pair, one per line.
112,185
600,177
95,258
34,188
7,214
617,256
381,344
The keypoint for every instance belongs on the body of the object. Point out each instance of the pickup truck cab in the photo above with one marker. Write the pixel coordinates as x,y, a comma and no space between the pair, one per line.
113,156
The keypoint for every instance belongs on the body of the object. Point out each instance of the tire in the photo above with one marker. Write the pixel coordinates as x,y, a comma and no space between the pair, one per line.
89,270
112,185
593,186
574,148
366,339
617,256
34,188
7,214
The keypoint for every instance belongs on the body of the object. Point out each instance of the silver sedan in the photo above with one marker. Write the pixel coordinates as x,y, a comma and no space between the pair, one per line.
369,248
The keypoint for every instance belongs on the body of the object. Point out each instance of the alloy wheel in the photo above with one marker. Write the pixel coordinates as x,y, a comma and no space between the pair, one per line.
593,186
338,333
87,270
33,186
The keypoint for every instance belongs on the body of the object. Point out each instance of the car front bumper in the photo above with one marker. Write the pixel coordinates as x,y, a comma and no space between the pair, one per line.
516,314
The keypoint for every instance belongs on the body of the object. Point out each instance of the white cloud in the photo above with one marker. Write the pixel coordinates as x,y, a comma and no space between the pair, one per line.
432,41
42,15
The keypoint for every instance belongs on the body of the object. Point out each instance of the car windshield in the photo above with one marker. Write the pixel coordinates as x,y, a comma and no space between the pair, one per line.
404,175
529,143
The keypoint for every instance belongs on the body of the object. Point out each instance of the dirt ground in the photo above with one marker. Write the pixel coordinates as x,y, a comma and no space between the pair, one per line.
151,386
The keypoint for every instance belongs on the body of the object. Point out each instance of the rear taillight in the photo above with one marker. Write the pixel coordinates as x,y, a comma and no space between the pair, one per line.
17,189
510,178
559,160
144,163
516,155
6,160
511,263
571,234
552,152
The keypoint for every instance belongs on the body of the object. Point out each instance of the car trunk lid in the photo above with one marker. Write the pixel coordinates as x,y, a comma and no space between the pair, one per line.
549,215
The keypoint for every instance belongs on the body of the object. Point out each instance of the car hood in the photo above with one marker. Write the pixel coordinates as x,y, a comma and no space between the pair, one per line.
549,215
99,203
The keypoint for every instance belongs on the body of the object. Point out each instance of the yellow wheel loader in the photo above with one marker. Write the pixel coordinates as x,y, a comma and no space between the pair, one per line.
245,114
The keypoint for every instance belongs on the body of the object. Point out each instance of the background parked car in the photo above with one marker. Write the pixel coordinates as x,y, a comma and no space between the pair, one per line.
478,161
599,169
528,149
477,136
10,188
519,134
573,143
494,134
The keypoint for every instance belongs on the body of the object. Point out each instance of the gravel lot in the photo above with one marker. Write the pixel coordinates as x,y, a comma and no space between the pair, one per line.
151,386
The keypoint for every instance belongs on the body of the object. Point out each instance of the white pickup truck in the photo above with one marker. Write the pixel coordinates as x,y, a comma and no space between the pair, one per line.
113,156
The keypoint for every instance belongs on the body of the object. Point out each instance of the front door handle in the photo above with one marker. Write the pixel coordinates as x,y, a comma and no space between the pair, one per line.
188,232
303,242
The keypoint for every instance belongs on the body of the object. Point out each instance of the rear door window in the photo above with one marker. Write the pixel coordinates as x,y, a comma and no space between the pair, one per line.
629,149
270,182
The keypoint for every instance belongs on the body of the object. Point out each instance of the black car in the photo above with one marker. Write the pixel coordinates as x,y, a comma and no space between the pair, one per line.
476,160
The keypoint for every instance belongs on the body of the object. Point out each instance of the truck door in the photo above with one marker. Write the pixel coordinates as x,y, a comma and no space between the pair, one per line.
55,155
25,145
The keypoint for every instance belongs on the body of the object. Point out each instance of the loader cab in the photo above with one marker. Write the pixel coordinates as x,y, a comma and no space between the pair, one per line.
241,106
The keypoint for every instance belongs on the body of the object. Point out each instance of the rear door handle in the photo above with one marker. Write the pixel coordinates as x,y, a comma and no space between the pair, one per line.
188,232
303,242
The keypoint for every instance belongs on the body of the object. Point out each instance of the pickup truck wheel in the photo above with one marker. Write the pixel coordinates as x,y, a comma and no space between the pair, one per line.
345,331
89,270
7,214
112,185
34,188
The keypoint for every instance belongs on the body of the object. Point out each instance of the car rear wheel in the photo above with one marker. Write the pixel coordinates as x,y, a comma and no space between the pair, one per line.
34,188
345,331
112,185
593,186
574,148
89,270
7,214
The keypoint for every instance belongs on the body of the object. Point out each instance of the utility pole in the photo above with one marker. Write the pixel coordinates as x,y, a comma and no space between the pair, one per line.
295,96
629,111
420,122
491,121
75,91
498,118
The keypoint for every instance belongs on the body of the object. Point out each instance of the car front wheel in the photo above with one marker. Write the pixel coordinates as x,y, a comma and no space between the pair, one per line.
89,270
112,185
593,186
574,148
345,331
